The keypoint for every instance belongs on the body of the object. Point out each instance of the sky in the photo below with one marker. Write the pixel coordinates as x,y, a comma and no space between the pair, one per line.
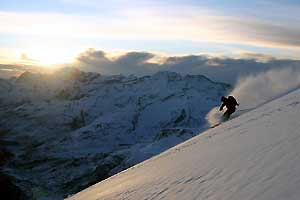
52,32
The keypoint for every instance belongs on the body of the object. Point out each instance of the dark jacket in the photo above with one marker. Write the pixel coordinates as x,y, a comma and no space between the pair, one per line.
230,103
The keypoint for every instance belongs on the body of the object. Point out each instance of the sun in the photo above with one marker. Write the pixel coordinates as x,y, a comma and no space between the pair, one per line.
49,57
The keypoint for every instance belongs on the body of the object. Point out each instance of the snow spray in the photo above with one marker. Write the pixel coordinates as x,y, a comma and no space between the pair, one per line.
255,90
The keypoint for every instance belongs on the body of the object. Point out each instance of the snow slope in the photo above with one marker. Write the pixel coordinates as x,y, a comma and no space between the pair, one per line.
254,156
94,125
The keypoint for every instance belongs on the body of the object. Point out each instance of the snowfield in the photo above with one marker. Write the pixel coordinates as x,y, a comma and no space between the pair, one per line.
71,129
254,156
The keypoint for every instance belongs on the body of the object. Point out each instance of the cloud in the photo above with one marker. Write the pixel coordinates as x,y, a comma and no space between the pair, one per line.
223,69
257,56
268,33
10,70
189,24
129,63
7,71
92,57
25,59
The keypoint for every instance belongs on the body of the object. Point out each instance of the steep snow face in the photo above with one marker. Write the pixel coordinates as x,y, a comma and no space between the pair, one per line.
254,156
72,129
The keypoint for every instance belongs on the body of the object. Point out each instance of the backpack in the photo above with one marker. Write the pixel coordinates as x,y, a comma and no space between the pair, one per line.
232,99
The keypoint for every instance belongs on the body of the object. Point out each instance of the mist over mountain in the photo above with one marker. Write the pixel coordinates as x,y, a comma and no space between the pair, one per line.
222,69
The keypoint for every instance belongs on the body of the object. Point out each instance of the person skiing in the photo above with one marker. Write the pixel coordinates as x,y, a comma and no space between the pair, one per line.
230,103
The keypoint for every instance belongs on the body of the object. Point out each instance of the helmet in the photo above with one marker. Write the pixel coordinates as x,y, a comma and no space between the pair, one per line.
223,98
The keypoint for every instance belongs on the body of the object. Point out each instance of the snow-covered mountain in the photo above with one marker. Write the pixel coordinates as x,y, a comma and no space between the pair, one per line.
254,156
72,129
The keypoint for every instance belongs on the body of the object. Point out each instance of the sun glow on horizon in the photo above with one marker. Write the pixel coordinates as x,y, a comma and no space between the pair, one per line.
46,57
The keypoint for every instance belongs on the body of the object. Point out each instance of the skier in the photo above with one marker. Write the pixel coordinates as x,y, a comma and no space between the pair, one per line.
230,103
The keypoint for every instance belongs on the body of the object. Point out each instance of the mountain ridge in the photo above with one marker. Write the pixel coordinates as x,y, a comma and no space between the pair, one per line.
254,156
96,125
